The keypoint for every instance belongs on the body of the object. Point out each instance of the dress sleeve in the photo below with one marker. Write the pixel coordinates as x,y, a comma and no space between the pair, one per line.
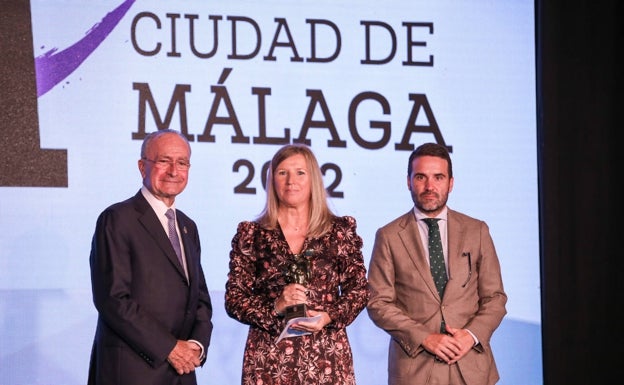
354,291
243,302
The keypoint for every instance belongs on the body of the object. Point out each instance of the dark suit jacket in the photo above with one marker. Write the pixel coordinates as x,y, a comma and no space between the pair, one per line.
144,301
404,300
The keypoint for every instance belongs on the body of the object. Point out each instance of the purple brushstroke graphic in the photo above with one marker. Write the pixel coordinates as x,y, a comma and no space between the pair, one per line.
52,68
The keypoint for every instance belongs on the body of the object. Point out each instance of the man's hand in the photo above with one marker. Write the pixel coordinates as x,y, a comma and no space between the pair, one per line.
464,338
184,357
451,347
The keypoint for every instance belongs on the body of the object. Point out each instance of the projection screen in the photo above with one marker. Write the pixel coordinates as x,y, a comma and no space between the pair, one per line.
362,82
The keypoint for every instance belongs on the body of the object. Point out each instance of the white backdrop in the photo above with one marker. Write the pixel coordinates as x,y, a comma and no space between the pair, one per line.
329,72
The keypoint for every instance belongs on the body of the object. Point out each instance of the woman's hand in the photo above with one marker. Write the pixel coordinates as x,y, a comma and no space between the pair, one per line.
313,326
293,294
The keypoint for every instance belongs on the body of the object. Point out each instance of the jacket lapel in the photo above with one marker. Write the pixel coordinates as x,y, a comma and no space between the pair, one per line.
150,221
184,232
410,236
456,259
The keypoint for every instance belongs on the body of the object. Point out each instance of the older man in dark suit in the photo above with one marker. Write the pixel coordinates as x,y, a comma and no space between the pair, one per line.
440,314
154,309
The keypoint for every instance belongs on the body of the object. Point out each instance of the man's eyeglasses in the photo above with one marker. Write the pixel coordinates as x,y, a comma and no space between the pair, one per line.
165,164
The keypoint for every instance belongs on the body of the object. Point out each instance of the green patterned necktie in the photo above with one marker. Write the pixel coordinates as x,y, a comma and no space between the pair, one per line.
436,259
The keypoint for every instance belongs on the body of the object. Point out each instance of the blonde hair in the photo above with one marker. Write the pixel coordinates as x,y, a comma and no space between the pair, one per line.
320,215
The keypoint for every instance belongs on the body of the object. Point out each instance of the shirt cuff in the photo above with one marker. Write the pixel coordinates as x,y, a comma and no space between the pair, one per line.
476,340
201,355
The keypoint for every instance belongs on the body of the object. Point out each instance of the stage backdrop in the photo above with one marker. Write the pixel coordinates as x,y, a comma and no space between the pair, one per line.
363,83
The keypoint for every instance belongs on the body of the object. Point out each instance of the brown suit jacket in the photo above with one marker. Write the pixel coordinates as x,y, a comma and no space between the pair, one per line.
404,301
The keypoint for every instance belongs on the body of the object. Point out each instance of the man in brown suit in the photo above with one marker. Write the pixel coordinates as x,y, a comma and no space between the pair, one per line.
436,338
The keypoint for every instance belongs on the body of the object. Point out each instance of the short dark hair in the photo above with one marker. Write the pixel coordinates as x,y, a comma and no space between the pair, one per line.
430,149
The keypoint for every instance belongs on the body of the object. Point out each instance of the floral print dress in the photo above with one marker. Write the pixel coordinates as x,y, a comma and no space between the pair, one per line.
258,261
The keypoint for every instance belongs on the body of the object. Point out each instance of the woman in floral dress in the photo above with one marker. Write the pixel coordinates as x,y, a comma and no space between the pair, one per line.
296,223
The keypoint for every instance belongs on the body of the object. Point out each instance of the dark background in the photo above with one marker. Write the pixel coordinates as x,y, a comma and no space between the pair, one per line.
578,78
578,50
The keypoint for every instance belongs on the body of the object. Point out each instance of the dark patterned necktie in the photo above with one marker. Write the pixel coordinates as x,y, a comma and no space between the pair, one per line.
173,235
436,259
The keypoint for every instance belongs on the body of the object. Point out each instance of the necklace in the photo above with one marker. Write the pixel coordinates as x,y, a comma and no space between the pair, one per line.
297,228
294,228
